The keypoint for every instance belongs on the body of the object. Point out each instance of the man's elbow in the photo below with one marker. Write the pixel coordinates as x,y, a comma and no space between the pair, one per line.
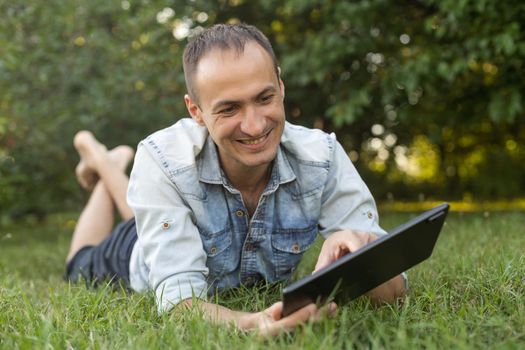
389,292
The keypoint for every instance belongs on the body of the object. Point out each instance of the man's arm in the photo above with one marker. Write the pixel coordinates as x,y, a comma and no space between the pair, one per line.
170,245
266,322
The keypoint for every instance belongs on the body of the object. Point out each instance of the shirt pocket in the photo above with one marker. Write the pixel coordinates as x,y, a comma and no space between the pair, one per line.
218,248
288,246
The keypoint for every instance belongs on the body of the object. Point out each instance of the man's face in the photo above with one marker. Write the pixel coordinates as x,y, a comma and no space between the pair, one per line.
241,104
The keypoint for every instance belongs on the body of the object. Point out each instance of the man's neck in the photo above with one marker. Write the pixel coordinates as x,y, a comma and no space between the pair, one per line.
251,182
249,179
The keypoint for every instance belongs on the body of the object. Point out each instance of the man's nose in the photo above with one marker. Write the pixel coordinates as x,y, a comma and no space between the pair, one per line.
253,122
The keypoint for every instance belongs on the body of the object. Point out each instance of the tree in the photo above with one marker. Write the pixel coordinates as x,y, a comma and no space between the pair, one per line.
425,95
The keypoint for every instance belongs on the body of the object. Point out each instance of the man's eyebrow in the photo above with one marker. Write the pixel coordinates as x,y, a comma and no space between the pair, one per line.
267,89
223,103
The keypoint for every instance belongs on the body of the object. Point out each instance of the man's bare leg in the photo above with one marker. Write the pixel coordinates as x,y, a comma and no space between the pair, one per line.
96,220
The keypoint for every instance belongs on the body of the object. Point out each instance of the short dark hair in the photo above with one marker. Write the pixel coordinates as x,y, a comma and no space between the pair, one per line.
223,36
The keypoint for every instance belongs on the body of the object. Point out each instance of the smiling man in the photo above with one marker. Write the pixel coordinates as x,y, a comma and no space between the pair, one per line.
235,195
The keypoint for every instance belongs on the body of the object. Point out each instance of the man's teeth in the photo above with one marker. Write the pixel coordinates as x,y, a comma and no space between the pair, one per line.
254,142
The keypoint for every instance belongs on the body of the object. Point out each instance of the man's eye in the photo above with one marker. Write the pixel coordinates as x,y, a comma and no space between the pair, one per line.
227,111
266,98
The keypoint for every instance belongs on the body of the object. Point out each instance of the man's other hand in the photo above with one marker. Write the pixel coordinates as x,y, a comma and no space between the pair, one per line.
341,243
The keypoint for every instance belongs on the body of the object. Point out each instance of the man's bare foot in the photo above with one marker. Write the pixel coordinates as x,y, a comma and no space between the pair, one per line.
89,150
121,156
87,178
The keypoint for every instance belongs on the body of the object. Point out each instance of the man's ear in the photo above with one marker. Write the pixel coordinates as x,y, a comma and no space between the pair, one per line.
281,84
193,109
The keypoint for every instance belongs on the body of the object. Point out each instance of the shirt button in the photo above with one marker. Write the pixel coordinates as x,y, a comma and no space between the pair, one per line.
248,246
213,250
239,213
370,215
166,225
295,248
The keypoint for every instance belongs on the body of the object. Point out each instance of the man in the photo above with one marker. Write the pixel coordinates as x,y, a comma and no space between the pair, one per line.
236,194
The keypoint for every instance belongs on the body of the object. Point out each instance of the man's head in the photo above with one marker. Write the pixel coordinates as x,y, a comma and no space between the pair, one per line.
237,94
223,37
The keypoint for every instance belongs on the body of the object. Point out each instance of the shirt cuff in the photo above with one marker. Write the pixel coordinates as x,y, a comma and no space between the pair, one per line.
179,287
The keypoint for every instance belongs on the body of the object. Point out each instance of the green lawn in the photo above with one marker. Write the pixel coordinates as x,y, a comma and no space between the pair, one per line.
469,294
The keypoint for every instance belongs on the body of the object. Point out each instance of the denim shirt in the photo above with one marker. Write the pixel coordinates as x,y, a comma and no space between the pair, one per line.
194,232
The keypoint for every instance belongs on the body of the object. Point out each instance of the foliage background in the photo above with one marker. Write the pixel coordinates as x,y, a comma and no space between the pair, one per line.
426,96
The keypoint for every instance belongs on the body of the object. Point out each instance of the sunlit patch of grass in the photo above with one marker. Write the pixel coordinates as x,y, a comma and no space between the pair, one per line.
458,206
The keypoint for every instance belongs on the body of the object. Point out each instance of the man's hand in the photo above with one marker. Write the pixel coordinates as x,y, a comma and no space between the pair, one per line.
271,322
341,243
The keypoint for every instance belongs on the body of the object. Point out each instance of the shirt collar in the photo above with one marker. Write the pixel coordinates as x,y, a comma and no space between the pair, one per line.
211,172
208,164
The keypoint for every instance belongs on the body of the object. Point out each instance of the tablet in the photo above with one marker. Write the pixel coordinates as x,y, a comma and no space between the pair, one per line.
356,273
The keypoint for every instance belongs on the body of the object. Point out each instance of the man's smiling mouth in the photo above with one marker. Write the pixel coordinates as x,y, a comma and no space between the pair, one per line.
255,141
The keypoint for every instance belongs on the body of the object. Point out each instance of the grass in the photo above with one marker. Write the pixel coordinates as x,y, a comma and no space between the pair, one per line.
469,294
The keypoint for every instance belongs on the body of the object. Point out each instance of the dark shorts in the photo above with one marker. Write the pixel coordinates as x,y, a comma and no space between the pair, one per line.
106,262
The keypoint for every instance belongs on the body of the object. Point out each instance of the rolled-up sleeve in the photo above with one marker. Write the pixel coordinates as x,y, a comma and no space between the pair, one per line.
169,241
347,202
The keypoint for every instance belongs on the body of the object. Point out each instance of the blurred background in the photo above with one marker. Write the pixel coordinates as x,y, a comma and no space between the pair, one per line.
426,96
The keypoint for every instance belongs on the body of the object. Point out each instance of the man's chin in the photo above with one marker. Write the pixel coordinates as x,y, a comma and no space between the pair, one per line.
256,161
